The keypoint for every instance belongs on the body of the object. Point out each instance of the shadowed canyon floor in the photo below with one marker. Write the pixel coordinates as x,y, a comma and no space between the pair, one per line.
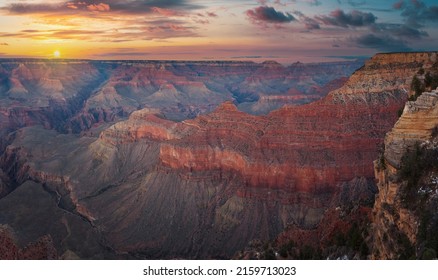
191,173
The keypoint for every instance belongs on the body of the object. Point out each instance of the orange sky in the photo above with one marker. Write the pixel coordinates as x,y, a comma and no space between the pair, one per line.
285,30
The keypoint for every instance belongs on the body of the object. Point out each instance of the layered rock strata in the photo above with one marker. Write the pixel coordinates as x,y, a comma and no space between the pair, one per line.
399,224
206,187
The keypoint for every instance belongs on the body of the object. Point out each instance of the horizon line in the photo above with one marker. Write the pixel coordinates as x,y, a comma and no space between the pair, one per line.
35,59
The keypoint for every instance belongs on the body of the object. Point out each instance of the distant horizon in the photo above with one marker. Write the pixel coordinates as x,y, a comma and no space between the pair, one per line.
248,60
51,59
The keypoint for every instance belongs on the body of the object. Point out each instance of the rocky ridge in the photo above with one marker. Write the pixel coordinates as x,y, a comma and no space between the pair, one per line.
404,213
74,95
345,127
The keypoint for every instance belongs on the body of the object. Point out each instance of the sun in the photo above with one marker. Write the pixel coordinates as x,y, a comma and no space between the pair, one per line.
56,54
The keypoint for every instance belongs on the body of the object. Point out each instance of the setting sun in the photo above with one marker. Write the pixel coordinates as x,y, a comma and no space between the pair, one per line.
57,54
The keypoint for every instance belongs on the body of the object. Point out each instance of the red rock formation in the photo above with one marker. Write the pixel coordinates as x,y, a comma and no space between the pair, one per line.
208,186
8,248
300,148
73,96
404,213
42,249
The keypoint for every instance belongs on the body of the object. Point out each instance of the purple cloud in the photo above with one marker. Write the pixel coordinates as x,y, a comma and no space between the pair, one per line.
354,18
73,7
381,43
265,14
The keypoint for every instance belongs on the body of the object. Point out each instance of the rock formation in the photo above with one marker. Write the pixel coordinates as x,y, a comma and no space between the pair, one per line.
302,148
73,95
404,214
42,249
220,180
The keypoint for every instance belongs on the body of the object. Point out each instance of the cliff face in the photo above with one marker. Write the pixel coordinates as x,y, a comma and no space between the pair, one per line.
239,177
73,96
404,214
205,187
300,148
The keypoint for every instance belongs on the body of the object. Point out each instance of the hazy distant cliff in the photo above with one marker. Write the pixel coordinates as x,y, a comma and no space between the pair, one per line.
74,95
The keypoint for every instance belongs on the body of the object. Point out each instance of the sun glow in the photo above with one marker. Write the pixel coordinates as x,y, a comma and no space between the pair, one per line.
56,54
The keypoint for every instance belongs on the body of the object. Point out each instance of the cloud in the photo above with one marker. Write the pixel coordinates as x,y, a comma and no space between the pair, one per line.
101,7
356,3
381,43
265,14
168,12
400,30
122,54
133,30
353,3
278,2
27,8
203,18
55,34
120,6
314,2
354,18
129,17
212,14
309,23
416,13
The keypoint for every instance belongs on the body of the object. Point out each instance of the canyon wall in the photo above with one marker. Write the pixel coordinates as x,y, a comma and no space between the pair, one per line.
404,214
74,95
157,185
302,148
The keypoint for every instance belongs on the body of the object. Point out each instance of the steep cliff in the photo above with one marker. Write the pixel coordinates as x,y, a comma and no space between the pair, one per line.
82,96
303,148
405,219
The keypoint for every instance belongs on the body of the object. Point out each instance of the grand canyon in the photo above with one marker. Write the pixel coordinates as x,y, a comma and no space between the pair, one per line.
218,160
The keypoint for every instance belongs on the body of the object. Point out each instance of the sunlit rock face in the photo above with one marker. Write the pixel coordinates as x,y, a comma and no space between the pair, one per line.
404,214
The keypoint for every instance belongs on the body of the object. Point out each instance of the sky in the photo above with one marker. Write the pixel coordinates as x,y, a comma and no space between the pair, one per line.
283,30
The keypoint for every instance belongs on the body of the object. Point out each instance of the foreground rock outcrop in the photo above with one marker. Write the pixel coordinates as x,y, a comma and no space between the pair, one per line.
404,216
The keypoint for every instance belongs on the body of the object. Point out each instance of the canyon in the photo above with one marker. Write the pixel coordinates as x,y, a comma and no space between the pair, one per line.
198,160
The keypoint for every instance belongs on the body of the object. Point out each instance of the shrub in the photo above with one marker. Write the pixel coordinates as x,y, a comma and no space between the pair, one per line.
428,254
400,112
407,250
269,254
411,166
417,86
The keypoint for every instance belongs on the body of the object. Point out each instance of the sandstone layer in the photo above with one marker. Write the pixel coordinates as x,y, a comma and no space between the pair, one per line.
301,148
405,209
